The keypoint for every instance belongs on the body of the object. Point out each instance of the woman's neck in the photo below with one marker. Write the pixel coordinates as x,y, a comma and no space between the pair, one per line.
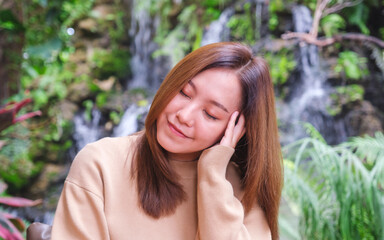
183,157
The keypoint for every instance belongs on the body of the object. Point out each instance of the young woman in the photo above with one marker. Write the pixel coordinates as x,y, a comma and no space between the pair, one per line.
207,166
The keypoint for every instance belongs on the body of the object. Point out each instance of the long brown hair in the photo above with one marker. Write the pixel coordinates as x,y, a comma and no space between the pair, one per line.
257,154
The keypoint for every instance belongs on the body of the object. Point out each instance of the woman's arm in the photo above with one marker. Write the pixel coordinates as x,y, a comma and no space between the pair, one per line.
221,215
80,211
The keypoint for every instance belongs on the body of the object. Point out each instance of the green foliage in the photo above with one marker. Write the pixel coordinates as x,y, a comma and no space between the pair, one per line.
353,66
101,99
16,166
186,34
47,84
181,24
108,63
281,65
358,16
115,117
9,22
344,95
241,25
332,24
73,10
278,7
275,6
381,30
337,190
88,104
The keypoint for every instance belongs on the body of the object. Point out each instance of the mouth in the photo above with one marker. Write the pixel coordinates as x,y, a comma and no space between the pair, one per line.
176,131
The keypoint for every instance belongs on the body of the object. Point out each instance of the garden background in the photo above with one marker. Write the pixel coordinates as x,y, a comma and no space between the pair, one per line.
74,71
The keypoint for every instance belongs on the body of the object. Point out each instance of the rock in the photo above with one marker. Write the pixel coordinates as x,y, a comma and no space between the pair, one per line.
78,92
88,24
68,109
105,85
363,119
82,69
78,56
50,173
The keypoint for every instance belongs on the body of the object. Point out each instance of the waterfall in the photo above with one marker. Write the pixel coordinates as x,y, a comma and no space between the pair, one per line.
217,31
310,92
91,131
146,71
130,121
87,131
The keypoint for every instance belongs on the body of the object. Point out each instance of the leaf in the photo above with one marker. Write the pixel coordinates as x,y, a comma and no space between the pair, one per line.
7,230
45,50
18,223
19,202
332,23
9,21
5,233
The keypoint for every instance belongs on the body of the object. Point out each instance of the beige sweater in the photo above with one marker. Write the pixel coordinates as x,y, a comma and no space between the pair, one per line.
99,199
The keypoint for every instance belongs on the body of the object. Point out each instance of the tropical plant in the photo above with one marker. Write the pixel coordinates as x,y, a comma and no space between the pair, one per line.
351,65
16,166
11,227
9,111
336,191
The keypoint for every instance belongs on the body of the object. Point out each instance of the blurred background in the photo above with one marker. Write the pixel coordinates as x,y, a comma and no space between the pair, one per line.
74,71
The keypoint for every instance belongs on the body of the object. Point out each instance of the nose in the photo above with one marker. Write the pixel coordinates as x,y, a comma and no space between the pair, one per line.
185,115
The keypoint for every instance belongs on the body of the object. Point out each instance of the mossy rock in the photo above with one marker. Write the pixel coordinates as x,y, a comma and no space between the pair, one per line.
108,63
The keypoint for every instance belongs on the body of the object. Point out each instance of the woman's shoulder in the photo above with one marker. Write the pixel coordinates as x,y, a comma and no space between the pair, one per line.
112,144
104,154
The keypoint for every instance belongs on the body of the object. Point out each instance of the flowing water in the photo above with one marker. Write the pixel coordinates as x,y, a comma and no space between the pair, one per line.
218,31
147,72
130,122
87,131
309,97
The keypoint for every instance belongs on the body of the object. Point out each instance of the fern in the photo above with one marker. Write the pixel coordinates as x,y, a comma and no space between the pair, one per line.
338,190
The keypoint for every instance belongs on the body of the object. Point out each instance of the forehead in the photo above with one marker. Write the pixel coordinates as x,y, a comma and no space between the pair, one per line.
221,85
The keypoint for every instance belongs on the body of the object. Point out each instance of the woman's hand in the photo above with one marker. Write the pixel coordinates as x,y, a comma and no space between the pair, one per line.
234,131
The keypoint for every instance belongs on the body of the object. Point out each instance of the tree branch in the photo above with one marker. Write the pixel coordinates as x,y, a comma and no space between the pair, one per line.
340,6
322,42
320,6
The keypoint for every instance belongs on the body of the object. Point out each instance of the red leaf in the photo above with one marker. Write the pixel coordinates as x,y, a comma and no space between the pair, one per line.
17,222
8,229
27,115
5,233
19,202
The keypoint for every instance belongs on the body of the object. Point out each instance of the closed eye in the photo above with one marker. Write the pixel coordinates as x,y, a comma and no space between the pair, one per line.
210,116
183,94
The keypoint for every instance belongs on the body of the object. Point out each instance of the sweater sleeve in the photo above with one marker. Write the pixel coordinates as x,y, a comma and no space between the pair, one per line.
80,211
220,214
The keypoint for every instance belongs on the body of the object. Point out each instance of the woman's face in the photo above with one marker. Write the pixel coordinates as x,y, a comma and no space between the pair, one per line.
197,117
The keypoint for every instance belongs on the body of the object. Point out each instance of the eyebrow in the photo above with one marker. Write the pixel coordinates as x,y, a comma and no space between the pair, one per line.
217,104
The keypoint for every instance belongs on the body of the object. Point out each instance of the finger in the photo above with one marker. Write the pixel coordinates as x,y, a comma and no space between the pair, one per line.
228,135
239,130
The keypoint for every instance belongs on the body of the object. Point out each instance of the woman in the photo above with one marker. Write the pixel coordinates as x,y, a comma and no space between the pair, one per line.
207,165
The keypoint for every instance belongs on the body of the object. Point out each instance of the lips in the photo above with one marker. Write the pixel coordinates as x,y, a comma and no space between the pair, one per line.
177,131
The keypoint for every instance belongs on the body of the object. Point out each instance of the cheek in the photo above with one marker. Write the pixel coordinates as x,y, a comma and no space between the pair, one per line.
174,104
212,133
